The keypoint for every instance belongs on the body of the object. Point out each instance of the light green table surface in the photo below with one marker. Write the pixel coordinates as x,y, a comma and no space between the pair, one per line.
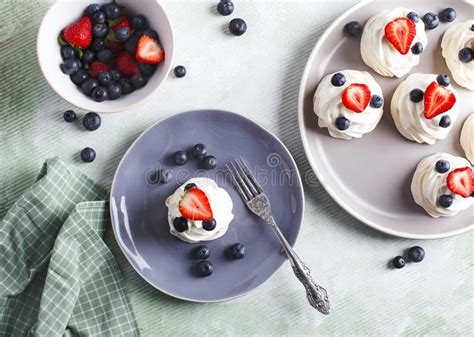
258,76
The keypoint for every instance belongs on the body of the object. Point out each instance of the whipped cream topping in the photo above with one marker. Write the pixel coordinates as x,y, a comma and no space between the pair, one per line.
328,106
457,37
221,205
408,115
428,185
467,138
379,54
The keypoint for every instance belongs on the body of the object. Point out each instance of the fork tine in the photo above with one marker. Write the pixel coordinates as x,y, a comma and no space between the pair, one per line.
237,185
241,181
251,176
246,179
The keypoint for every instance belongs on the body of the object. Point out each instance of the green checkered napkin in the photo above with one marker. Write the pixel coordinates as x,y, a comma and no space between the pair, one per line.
57,276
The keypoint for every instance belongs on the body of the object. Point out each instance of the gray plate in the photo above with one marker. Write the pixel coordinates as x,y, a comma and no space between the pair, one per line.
139,215
370,177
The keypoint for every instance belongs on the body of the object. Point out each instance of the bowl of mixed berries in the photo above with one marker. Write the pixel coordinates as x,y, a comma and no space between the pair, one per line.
105,56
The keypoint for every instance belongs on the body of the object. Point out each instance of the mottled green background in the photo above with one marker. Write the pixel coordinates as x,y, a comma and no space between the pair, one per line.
258,76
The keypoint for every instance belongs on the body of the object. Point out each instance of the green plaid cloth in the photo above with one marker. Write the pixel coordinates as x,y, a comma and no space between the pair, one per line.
57,276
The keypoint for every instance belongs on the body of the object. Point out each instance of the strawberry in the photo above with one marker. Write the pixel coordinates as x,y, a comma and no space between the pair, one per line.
195,205
122,22
79,33
400,33
356,97
461,181
97,67
149,50
115,46
438,99
125,64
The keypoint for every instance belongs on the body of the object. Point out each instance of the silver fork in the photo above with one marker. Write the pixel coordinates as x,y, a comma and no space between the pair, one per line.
259,204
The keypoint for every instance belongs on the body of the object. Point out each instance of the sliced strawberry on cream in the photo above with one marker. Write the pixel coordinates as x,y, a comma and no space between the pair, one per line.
461,181
401,33
195,205
356,97
438,99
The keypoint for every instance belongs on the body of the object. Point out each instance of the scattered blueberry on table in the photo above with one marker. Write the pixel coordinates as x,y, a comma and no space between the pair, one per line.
180,158
209,162
199,151
431,20
416,254
69,116
164,176
201,252
179,71
225,7
236,251
91,121
204,268
237,27
353,29
398,262
88,154
448,15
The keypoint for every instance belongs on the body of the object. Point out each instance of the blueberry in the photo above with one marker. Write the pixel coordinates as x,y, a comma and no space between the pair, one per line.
122,34
236,251
199,151
138,80
100,30
70,66
209,162
443,80
115,75
88,154
91,121
442,166
88,85
114,91
138,22
79,77
105,55
445,200
131,44
353,29
201,252
88,56
67,52
209,225
104,78
99,94
398,262
98,44
91,9
147,69
472,27
179,71
445,121
413,17
204,268
417,48
342,123
112,10
376,101
126,86
416,254
466,55
180,157
69,116
98,17
164,176
180,224
189,186
225,7
338,79
416,95
149,32
431,20
237,27
448,14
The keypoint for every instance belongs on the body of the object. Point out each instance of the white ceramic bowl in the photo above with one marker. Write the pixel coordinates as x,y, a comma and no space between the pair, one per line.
65,12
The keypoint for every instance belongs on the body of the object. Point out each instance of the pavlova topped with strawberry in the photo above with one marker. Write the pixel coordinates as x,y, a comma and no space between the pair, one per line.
199,210
108,53
392,41
424,107
349,103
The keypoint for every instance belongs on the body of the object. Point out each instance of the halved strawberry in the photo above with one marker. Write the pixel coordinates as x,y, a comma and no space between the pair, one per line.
125,64
195,205
400,33
79,33
438,99
97,67
356,97
121,22
149,50
461,181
